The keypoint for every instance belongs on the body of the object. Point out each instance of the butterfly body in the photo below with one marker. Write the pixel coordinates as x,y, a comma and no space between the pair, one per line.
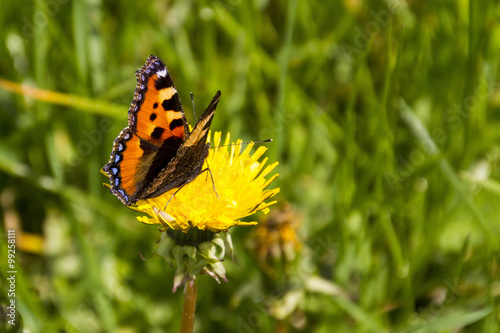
157,152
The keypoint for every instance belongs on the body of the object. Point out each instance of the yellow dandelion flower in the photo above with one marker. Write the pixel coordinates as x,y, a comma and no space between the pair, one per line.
238,190
193,216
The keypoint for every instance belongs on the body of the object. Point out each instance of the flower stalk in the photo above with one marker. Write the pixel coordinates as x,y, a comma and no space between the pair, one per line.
189,306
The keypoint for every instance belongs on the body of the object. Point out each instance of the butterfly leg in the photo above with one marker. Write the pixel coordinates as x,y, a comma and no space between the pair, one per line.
213,183
173,195
180,187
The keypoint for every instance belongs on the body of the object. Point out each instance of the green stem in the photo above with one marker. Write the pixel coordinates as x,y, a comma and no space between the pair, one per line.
189,307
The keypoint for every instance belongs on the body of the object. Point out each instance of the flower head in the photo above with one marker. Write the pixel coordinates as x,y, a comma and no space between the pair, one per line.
276,242
193,216
237,191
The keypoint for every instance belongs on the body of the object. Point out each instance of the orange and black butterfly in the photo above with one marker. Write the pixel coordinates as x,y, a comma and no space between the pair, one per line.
157,152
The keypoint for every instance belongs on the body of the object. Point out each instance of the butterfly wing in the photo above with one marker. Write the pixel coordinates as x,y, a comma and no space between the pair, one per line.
157,127
198,137
188,162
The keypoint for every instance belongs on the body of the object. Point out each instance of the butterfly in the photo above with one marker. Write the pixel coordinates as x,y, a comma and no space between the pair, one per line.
157,152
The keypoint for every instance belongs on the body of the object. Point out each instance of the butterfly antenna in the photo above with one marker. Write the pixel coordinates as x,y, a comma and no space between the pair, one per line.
194,111
243,143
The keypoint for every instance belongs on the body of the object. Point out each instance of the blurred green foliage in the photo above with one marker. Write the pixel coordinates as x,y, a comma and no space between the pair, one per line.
385,119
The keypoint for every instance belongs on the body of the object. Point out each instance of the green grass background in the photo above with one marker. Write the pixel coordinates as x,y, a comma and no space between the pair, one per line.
385,119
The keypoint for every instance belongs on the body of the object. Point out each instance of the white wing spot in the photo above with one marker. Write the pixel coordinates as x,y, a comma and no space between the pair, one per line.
162,73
